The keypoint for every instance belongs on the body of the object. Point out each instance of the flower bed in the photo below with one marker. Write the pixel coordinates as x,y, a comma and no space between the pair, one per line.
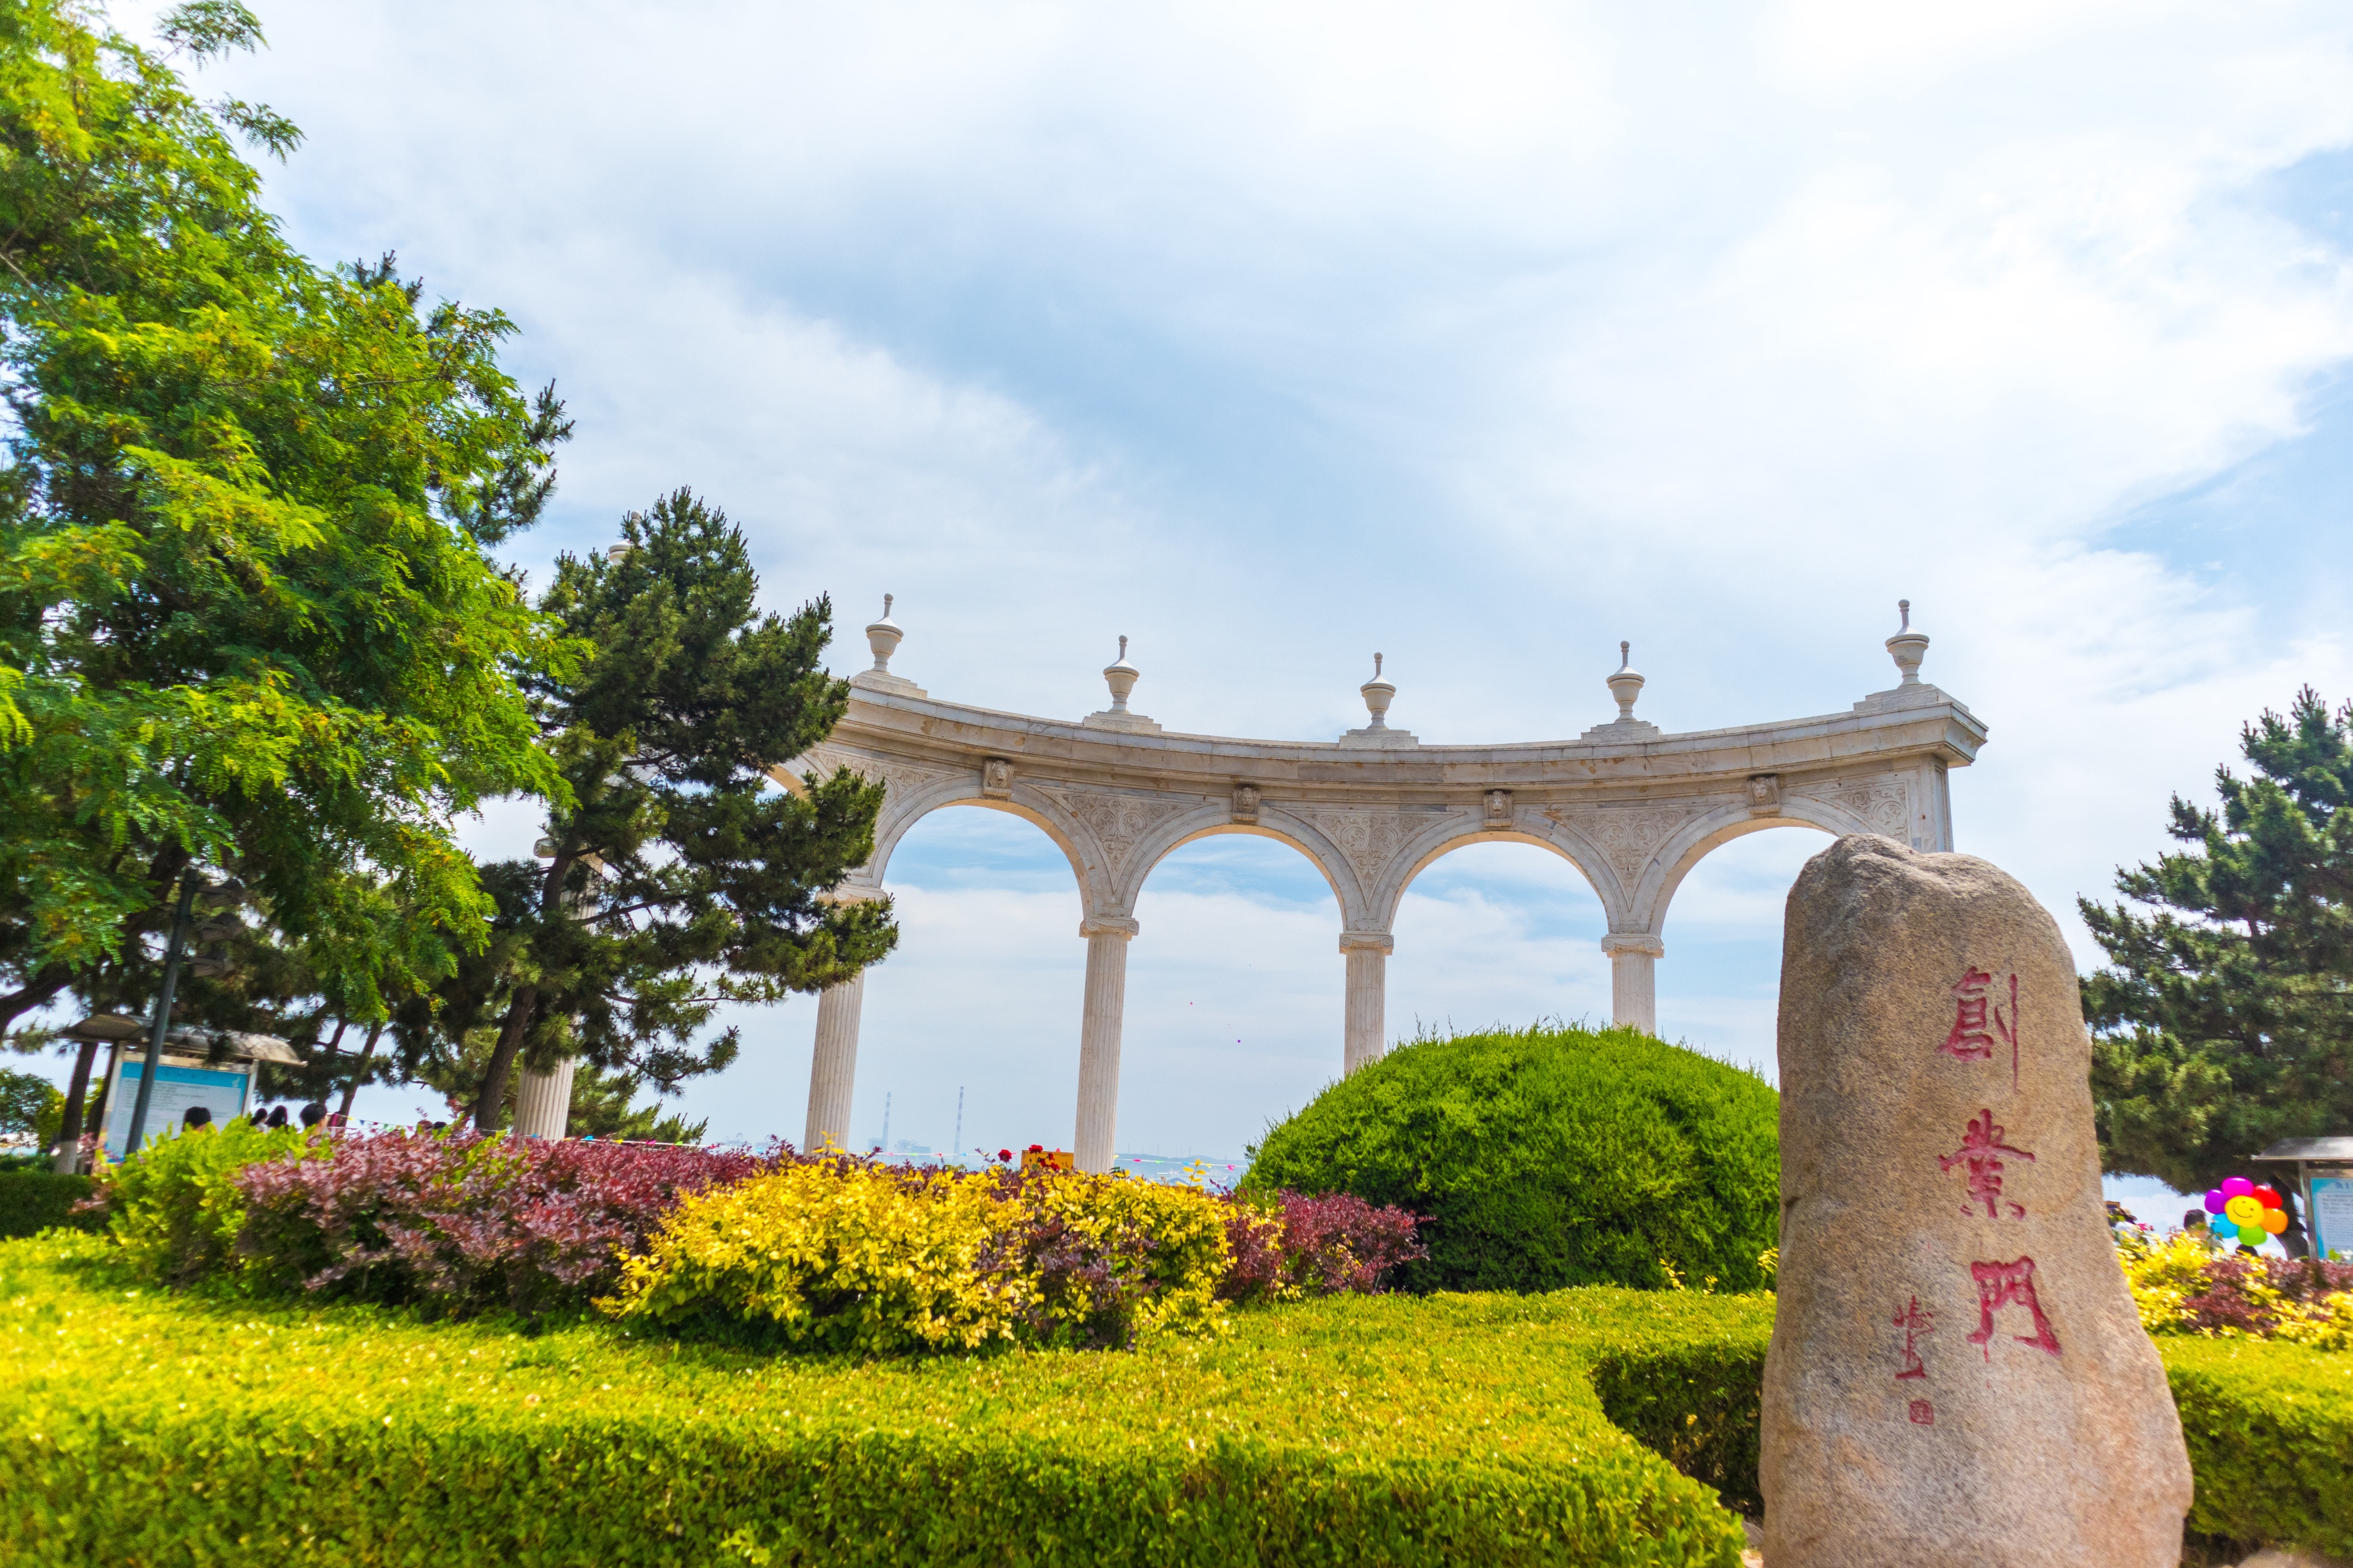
831,1252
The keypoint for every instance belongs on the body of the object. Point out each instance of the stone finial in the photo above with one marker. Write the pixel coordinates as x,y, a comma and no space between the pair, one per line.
1379,694
883,636
1908,647
619,551
1627,684
1120,676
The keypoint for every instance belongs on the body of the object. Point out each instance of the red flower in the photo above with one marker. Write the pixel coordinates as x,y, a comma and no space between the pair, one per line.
1005,1154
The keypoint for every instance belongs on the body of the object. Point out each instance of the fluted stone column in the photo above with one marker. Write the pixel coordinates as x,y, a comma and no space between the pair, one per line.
1633,979
1366,1037
1107,939
833,1065
544,1100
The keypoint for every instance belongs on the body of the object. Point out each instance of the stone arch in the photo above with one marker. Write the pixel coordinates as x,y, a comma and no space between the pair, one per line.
1216,817
1699,836
1632,806
1604,888
908,801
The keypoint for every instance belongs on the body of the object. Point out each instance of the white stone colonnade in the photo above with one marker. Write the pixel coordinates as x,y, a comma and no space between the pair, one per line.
1630,806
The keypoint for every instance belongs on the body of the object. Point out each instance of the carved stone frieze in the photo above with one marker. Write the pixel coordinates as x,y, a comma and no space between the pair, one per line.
1117,821
1369,838
899,780
1627,836
1884,805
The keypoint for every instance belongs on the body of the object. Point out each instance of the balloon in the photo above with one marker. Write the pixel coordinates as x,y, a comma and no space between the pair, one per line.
2215,1200
2275,1220
2244,1210
2237,1187
2268,1196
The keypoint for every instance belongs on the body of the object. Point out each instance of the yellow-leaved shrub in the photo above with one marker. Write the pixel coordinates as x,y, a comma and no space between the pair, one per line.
2184,1287
834,1255
848,1256
1148,1257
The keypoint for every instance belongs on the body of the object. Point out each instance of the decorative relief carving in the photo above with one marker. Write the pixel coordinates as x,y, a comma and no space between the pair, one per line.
1499,808
1765,795
899,780
1628,837
996,778
1117,821
1884,806
1369,840
1246,798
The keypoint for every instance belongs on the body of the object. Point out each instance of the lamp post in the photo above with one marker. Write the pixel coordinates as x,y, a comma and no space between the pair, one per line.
226,897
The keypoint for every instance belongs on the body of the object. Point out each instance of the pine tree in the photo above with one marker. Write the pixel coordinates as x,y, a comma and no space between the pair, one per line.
679,876
2225,1018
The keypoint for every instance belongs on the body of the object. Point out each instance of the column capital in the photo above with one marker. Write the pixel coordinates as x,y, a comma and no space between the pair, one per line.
1619,942
1108,925
852,893
1367,941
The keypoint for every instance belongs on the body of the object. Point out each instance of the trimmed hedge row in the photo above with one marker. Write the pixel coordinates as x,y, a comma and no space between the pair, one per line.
1392,1429
154,1429
2270,1428
33,1201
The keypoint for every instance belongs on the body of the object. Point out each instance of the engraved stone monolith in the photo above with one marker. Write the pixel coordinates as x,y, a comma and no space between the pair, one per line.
1957,1378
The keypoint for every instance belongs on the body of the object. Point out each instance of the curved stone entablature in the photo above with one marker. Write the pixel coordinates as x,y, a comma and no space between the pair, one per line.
1632,807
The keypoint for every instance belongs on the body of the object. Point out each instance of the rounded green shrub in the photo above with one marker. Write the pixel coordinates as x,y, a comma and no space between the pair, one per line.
1550,1157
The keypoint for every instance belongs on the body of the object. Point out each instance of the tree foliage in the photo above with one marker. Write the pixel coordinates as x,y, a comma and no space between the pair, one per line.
2224,1018
249,620
677,875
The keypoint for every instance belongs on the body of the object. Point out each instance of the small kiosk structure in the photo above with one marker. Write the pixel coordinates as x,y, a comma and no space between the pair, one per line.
211,1068
2324,1175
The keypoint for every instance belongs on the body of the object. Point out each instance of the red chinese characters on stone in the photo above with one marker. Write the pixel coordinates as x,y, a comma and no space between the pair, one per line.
1923,1413
2012,1284
1914,1323
1981,1151
1978,1022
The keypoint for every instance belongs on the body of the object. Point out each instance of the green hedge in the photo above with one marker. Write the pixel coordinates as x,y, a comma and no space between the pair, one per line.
145,1429
151,1429
33,1201
1550,1157
2270,1428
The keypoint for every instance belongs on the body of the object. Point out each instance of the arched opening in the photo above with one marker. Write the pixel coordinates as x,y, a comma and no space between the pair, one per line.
982,994
1234,987
1720,984
1497,933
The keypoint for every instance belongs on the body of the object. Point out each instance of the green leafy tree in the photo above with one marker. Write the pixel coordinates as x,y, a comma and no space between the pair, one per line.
26,1102
2224,1018
249,618
677,875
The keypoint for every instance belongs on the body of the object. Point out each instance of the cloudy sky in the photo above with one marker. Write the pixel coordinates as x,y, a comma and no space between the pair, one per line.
1482,334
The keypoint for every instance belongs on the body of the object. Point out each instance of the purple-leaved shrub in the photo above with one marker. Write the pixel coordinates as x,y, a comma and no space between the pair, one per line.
466,1223
1288,1246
